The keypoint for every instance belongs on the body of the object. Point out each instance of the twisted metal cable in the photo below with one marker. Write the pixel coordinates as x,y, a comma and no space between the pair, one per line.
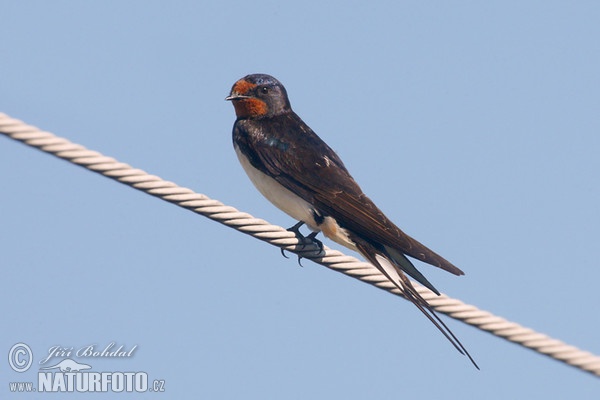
280,237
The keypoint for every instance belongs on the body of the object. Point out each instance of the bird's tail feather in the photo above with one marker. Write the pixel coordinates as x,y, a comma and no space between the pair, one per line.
400,261
393,270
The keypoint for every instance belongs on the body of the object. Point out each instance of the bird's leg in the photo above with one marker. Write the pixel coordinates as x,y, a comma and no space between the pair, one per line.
310,239
304,240
313,238
296,230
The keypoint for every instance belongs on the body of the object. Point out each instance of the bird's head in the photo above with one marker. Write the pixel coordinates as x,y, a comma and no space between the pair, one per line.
258,96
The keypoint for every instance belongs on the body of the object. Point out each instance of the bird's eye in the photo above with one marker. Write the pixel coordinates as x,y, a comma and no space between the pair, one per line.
264,90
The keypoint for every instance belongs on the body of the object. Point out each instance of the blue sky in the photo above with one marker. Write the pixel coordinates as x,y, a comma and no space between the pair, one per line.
473,126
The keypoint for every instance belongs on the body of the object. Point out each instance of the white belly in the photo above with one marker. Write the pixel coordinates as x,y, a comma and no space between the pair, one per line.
292,204
282,198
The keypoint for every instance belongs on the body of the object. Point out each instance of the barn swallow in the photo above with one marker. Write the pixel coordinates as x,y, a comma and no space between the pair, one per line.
301,175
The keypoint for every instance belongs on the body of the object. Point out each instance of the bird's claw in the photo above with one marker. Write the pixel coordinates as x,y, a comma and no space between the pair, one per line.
313,240
304,241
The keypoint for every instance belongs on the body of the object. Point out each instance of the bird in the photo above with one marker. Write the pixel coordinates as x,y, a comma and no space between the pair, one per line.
301,175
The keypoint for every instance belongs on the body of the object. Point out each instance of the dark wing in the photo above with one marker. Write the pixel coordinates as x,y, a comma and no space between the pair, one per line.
287,149
361,215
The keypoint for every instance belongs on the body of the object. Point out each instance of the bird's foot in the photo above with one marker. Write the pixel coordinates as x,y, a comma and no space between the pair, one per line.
312,239
304,240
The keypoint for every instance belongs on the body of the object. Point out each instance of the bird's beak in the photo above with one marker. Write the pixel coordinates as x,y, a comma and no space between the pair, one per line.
236,96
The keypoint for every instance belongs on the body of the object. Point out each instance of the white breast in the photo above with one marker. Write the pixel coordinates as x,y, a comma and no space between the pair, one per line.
282,198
